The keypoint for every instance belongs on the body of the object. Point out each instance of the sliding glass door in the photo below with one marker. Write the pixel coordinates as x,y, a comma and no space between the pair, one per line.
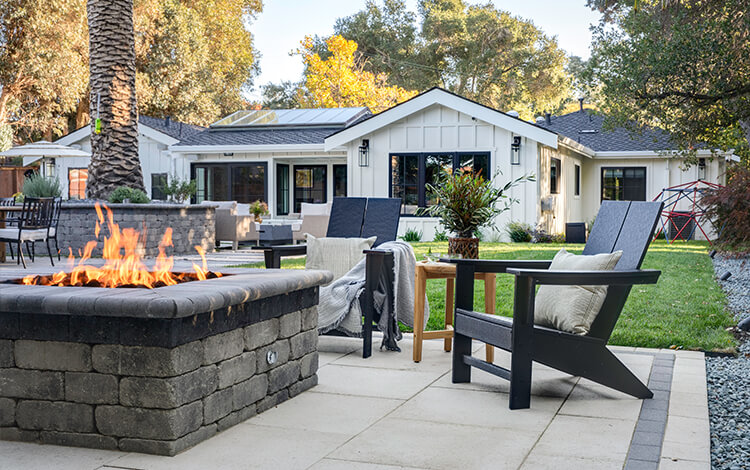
310,185
241,182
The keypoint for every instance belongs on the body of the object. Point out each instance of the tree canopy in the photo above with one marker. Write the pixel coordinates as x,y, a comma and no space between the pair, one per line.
341,81
475,50
193,59
681,66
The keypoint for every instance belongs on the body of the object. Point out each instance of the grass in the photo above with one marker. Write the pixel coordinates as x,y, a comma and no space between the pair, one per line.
685,309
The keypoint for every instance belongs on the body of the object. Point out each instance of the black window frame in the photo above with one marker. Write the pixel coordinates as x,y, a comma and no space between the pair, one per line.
283,189
160,189
229,167
554,183
577,180
294,183
422,171
623,168
335,177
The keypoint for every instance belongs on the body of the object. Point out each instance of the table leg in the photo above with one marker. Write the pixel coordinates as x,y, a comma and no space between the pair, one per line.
2,244
490,284
420,285
450,290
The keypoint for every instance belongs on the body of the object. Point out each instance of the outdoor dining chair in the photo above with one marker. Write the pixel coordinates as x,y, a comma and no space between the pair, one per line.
620,226
34,223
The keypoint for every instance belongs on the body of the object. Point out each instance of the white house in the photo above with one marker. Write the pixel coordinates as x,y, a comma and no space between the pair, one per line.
286,157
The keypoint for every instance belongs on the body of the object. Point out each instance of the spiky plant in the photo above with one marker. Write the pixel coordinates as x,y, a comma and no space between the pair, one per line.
466,202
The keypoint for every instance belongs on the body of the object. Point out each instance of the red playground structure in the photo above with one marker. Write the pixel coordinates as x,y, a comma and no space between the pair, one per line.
683,212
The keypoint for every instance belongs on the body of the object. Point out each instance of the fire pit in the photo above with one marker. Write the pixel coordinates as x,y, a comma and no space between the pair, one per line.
157,369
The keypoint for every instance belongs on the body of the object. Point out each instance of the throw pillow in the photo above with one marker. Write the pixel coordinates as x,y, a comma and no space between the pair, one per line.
573,308
338,255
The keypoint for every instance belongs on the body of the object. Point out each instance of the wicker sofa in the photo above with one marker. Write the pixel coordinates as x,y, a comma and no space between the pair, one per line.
313,220
234,223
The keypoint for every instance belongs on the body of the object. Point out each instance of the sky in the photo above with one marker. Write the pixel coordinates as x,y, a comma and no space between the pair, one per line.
283,23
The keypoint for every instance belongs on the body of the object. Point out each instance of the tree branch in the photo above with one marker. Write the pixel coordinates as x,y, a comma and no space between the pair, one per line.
697,96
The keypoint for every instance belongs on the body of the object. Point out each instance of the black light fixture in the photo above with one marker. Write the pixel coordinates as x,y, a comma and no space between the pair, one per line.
228,154
515,147
364,153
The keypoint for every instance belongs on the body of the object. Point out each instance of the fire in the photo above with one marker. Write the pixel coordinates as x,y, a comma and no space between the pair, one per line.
123,266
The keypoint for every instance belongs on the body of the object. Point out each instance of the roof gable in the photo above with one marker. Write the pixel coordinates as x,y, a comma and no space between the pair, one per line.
161,130
449,100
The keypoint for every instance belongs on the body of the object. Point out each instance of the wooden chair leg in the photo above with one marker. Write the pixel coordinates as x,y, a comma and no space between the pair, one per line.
420,284
489,307
450,291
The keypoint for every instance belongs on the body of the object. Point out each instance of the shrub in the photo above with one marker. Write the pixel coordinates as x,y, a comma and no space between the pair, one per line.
412,235
136,196
37,185
179,190
440,236
541,236
728,208
519,232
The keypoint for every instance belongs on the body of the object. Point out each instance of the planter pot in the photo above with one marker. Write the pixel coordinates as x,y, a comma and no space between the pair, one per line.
468,248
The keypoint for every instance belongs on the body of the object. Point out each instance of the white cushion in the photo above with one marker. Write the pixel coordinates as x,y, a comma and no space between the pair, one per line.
296,226
26,235
573,308
315,209
338,255
242,209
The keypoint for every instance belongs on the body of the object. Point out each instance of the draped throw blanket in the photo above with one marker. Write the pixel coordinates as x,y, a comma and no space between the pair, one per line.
339,307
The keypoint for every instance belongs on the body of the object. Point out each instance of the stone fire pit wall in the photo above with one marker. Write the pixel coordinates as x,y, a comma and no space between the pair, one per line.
191,225
154,371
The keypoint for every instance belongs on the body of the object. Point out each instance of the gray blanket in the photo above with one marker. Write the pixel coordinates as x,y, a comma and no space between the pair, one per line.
339,309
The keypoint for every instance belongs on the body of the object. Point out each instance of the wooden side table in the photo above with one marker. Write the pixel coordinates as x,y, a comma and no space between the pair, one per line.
447,271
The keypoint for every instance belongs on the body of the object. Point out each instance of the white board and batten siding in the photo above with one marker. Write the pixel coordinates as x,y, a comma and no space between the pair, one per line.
439,128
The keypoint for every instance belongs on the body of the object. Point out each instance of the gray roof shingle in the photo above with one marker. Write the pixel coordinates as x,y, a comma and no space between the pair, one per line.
586,128
264,136
175,129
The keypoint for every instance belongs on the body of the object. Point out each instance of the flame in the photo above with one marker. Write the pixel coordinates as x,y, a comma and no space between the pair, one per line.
123,265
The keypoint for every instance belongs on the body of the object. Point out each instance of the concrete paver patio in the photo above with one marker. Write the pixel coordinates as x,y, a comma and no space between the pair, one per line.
387,412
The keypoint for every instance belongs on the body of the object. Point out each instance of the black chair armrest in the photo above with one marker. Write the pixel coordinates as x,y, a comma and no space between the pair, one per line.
498,266
274,253
376,252
588,278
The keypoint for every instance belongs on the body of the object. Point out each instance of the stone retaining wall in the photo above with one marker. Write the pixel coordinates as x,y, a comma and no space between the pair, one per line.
148,399
191,225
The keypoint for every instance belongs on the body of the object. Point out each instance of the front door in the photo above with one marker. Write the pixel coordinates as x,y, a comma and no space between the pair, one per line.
310,185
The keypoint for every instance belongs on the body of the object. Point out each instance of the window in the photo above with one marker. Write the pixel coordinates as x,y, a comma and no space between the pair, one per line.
282,189
577,180
77,183
411,172
554,175
310,185
241,182
339,180
624,184
158,186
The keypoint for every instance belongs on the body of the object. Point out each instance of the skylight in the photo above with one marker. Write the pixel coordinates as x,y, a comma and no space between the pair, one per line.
291,117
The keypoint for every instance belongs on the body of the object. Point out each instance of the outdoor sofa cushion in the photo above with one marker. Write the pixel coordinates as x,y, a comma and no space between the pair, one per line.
338,255
573,308
26,234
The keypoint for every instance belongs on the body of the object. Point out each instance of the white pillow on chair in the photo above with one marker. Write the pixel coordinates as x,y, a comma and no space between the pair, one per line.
573,308
338,255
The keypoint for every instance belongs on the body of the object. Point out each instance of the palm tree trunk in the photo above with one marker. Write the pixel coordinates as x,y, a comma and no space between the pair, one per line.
114,152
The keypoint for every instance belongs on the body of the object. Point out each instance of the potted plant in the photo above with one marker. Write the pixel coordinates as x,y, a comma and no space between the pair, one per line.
259,209
180,191
466,202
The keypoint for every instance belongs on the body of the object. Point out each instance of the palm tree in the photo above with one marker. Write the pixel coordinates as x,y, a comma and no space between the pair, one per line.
114,151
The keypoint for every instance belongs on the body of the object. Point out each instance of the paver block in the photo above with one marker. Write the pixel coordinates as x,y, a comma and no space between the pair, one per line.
52,355
92,388
55,416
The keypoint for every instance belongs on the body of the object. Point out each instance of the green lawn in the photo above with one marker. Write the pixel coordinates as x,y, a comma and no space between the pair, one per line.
686,308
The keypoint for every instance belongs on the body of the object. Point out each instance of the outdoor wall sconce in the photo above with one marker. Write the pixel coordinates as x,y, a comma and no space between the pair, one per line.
364,153
515,147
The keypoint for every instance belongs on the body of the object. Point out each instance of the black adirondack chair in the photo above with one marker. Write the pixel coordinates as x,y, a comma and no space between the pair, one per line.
351,217
358,217
621,225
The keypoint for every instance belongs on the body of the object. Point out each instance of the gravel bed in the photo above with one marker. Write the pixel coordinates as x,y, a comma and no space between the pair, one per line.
729,378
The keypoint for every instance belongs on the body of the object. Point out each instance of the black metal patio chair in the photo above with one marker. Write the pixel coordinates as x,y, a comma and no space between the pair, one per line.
621,225
33,226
